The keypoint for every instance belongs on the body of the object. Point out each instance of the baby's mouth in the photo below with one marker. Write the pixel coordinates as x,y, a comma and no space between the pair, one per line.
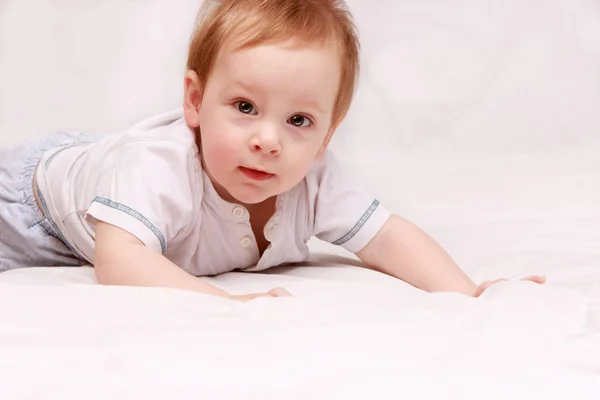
256,174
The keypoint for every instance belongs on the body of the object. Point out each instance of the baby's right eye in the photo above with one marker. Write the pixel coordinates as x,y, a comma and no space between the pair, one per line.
245,107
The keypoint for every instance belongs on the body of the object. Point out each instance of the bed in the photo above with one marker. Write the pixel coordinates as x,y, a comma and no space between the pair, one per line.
478,120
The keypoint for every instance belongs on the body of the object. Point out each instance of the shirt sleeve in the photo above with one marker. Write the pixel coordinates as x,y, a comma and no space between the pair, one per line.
344,213
145,188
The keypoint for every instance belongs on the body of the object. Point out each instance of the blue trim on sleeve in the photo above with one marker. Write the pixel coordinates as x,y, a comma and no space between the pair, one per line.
356,228
136,215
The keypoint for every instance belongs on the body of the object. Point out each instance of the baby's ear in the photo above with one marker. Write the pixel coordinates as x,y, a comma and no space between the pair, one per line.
192,98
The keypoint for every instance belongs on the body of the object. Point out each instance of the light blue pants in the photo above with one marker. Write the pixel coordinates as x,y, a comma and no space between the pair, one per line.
26,237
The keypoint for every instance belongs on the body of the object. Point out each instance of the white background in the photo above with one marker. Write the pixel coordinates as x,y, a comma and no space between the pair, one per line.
477,119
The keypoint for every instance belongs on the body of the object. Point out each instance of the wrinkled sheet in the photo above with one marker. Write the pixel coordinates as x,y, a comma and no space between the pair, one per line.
347,333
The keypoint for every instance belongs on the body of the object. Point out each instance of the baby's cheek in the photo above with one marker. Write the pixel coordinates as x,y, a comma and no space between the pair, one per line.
220,158
228,149
300,165
222,144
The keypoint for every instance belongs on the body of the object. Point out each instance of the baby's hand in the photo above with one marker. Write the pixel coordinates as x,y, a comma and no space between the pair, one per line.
277,292
485,285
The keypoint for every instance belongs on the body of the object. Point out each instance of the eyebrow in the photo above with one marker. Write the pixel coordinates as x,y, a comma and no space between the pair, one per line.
247,87
308,103
311,104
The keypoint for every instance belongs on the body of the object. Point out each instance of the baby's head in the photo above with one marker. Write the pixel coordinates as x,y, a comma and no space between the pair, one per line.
268,82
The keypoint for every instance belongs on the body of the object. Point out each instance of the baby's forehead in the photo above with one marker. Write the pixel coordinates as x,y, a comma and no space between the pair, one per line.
298,56
309,75
235,44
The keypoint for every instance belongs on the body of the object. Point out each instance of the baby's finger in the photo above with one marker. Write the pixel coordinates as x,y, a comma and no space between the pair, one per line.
279,292
485,286
535,279
252,296
482,288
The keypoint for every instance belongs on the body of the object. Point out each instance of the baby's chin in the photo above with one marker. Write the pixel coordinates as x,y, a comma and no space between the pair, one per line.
251,196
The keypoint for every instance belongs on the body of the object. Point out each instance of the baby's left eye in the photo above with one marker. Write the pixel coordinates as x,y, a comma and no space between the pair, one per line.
300,121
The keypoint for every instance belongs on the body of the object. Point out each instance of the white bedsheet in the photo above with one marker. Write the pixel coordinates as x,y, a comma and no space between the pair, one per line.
347,333
477,119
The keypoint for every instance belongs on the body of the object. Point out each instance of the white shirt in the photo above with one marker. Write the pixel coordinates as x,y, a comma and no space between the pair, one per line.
150,182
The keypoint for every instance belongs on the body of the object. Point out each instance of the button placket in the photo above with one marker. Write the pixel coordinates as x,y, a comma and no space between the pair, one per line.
238,212
246,242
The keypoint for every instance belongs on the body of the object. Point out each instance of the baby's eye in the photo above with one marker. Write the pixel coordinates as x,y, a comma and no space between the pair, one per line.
245,108
300,121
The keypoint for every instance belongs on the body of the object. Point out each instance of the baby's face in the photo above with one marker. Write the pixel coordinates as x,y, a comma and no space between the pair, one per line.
265,115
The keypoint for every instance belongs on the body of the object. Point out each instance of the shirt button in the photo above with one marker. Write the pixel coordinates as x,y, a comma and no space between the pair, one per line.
238,212
246,242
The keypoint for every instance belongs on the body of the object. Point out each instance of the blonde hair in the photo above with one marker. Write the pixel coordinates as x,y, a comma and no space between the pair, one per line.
255,22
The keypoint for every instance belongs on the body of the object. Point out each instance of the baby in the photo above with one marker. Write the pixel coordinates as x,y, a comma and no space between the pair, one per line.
240,178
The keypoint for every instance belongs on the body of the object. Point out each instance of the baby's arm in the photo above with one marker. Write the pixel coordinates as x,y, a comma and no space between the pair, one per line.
122,259
402,250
